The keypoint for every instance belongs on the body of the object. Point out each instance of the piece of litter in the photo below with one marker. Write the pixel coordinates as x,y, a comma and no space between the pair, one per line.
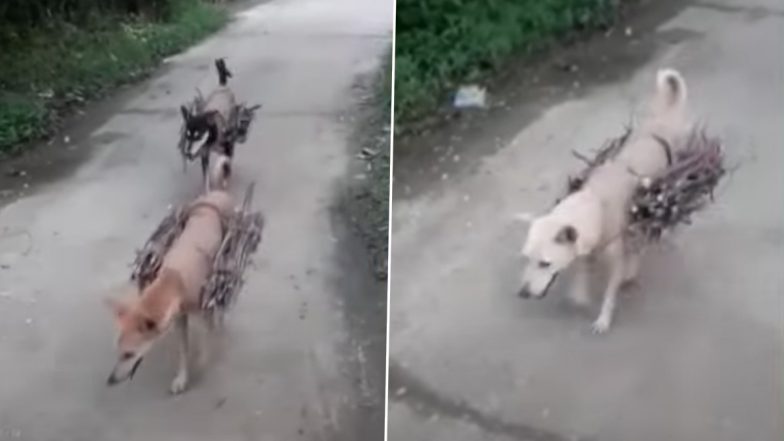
67,139
444,177
471,96
366,153
628,31
400,392
456,158
28,321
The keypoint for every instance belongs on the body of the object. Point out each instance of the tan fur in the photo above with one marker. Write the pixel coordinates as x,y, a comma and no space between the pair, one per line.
175,293
591,221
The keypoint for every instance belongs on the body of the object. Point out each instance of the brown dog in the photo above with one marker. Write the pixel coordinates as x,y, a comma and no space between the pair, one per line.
175,294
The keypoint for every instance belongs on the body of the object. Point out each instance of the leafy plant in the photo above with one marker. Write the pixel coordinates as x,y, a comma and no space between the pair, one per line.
440,43
47,67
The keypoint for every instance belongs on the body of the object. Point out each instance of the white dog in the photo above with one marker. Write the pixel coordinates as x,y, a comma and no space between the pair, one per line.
591,222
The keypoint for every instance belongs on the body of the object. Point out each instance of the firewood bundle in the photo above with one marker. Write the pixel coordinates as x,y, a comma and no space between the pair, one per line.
150,256
670,199
240,124
241,238
684,188
240,241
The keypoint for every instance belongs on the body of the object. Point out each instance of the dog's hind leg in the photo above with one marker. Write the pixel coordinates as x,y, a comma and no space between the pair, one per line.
614,254
180,382
631,267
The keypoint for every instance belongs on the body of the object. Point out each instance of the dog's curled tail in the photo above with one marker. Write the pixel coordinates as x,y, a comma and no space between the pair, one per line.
670,90
223,71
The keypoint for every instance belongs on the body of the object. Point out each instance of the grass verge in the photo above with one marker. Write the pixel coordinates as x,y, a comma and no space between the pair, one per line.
366,204
47,71
443,43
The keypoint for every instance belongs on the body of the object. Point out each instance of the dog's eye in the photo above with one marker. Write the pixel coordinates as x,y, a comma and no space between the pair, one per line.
544,264
149,325
127,355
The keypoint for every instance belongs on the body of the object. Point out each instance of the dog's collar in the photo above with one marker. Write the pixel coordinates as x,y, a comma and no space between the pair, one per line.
665,146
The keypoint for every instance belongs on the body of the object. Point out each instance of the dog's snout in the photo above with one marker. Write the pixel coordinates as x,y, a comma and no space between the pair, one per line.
524,293
112,380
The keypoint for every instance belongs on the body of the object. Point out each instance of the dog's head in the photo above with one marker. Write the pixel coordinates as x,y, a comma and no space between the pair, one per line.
140,321
197,125
550,248
555,240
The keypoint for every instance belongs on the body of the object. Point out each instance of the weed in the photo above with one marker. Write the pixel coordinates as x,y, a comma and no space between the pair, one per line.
441,43
47,70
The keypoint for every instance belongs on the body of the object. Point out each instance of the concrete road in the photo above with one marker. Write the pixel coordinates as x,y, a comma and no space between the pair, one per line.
289,366
696,349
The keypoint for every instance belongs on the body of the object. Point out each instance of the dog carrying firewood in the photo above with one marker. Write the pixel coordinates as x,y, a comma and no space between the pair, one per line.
646,182
192,265
220,121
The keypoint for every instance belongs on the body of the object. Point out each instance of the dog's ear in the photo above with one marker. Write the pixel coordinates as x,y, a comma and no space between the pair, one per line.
583,241
186,116
567,235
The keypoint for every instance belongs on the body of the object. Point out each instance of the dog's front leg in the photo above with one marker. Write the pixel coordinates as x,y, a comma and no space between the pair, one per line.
180,382
614,255
580,282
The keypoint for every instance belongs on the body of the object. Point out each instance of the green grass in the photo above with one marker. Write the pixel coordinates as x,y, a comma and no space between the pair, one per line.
366,204
377,210
442,43
46,71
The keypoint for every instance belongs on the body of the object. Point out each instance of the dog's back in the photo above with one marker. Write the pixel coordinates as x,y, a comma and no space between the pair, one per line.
192,254
647,152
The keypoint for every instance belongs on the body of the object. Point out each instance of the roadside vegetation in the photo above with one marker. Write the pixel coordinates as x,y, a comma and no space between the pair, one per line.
57,54
442,44
367,203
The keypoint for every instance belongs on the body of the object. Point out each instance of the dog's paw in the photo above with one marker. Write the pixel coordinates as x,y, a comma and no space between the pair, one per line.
601,325
179,384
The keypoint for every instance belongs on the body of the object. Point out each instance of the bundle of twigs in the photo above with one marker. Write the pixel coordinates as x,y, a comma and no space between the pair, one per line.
240,123
150,256
609,150
241,238
684,188
665,201
240,241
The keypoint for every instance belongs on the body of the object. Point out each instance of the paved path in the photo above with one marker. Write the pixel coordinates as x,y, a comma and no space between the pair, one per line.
695,353
289,368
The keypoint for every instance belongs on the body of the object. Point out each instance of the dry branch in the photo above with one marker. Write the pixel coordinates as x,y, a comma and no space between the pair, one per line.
665,201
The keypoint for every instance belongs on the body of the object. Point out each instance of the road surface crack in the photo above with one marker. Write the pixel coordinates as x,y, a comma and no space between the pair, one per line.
425,401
